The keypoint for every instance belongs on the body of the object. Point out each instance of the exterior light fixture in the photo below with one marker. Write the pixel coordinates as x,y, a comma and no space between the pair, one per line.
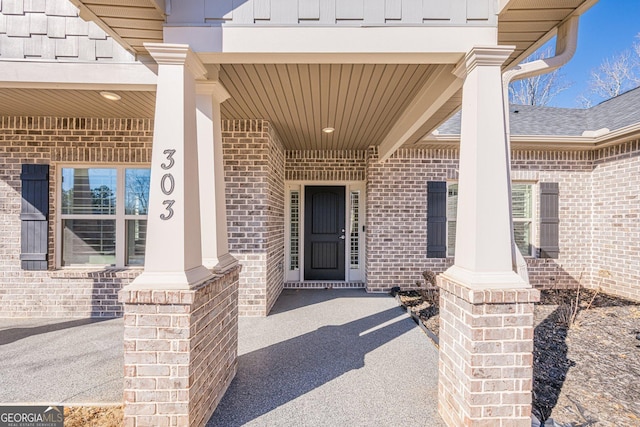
328,130
111,96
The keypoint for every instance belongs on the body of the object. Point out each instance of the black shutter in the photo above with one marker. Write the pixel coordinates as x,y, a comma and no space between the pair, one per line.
34,216
549,220
436,219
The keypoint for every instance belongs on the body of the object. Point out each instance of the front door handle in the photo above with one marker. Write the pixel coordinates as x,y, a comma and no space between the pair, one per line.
341,237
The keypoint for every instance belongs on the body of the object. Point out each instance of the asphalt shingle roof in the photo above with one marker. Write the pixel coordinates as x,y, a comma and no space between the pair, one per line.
616,113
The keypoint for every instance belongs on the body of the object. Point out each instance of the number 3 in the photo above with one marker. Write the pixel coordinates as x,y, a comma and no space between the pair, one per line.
169,209
169,154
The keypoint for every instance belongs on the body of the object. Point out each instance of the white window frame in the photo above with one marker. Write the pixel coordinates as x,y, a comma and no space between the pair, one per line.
533,218
351,274
119,216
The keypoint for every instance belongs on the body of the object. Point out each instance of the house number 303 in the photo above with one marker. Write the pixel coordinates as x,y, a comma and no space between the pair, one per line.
167,184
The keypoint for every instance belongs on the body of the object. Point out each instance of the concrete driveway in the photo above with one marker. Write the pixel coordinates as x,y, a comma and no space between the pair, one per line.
61,361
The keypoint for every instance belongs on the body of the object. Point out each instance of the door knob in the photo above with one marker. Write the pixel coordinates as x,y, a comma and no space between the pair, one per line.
341,237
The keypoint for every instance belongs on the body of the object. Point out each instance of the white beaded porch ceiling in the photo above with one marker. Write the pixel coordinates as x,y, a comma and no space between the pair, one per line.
361,101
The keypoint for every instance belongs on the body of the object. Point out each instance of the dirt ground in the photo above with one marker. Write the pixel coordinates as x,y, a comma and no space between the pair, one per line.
94,416
585,374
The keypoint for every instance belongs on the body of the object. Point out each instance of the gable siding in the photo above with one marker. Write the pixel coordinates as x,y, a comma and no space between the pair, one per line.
343,12
53,29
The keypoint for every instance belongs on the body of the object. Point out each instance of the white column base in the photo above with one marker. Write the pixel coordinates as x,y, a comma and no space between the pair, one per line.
221,264
171,280
485,280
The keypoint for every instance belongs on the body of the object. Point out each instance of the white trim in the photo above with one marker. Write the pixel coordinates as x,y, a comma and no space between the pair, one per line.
33,74
624,134
291,275
427,44
351,275
119,217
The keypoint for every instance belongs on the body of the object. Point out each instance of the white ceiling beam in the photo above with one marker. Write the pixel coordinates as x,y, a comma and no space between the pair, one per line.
68,75
436,91
215,44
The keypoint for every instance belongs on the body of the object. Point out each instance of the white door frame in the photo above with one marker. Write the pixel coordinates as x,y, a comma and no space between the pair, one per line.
295,273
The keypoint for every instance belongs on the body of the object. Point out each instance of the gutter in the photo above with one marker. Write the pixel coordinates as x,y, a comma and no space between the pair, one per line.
566,44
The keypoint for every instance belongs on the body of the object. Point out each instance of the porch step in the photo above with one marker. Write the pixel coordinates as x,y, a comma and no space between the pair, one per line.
324,285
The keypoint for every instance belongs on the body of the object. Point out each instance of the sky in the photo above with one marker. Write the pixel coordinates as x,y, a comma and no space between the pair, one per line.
606,29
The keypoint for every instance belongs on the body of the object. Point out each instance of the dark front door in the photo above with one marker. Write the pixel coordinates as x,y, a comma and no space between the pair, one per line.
324,233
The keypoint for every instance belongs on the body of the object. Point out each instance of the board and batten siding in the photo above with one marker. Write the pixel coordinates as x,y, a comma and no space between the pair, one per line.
349,12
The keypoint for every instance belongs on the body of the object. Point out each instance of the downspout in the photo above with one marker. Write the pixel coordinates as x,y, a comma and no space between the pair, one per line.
566,44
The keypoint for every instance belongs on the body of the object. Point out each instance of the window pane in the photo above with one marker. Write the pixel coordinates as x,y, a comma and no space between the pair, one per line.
355,225
521,200
88,241
451,238
452,201
136,183
452,207
522,235
294,240
136,237
88,191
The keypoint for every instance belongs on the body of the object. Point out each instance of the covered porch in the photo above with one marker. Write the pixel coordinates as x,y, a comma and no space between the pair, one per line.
379,88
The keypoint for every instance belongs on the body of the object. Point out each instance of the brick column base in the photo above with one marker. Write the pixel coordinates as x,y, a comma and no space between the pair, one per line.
180,351
486,361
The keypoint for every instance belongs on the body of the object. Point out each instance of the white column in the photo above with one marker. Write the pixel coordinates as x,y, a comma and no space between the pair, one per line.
483,235
173,257
213,207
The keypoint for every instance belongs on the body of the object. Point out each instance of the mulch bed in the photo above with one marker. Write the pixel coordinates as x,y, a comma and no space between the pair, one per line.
586,374
94,416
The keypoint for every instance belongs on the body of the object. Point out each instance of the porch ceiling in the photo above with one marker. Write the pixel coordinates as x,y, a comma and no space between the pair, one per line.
361,101
75,103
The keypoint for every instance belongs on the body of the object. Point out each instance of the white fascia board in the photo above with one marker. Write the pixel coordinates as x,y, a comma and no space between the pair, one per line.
75,75
251,44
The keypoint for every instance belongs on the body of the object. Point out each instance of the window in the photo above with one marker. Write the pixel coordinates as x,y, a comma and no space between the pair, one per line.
104,216
354,235
522,208
294,227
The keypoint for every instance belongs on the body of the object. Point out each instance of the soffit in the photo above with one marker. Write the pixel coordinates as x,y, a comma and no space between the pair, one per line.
361,101
75,103
131,22
527,24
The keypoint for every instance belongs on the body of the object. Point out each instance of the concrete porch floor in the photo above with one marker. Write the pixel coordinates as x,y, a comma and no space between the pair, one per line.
322,358
332,358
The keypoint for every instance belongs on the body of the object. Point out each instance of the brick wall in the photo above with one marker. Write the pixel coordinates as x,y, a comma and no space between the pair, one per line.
254,172
616,220
396,240
396,220
328,165
56,141
275,219
572,170
180,352
485,361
